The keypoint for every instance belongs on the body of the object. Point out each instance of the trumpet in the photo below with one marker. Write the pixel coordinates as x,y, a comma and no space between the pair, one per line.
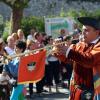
53,46
33,51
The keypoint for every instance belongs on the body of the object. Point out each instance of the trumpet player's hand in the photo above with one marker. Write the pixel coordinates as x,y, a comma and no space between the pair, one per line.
62,49
55,47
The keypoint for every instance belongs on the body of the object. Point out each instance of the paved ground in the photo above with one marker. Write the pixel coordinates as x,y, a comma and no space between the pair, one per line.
62,95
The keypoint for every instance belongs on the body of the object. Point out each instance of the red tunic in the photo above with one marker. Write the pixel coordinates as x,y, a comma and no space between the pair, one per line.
87,58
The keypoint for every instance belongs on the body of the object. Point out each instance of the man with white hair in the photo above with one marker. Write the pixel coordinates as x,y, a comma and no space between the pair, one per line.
10,45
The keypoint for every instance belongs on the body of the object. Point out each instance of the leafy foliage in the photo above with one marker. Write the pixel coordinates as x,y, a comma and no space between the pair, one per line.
30,22
83,12
27,24
73,13
6,30
16,3
1,24
84,0
17,7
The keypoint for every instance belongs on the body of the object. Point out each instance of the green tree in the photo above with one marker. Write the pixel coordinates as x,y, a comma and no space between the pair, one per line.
32,22
17,7
83,0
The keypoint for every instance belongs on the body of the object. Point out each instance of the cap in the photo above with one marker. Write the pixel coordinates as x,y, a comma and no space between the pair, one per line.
93,22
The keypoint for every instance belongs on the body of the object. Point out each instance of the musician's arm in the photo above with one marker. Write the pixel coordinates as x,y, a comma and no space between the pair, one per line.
87,59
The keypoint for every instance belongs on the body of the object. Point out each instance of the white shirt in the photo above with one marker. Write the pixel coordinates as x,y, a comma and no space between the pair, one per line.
30,37
4,78
9,50
52,58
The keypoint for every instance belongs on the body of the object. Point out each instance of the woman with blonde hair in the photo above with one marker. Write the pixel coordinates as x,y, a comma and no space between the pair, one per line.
15,36
21,35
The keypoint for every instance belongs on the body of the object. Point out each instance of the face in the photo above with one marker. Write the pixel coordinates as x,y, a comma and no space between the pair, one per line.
51,41
40,38
76,36
33,46
20,34
18,50
15,36
11,42
44,37
89,33
62,31
32,31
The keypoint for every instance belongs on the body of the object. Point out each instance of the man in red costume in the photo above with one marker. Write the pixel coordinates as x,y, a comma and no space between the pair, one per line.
86,57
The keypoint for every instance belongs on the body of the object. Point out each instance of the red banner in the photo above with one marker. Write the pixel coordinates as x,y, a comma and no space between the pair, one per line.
31,68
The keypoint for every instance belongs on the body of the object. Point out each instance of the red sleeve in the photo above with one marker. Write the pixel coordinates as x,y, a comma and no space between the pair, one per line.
62,58
88,60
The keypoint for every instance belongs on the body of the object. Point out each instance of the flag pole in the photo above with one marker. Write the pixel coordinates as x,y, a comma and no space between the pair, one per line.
32,51
43,48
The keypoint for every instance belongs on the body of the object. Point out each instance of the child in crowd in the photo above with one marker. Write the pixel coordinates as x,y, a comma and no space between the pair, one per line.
11,69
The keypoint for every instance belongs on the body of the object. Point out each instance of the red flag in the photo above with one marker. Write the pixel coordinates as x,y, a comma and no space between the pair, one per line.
31,68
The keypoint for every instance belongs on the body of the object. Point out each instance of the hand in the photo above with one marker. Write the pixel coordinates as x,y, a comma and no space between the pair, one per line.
12,81
62,49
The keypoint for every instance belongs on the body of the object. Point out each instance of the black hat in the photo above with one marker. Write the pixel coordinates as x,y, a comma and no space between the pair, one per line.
95,23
